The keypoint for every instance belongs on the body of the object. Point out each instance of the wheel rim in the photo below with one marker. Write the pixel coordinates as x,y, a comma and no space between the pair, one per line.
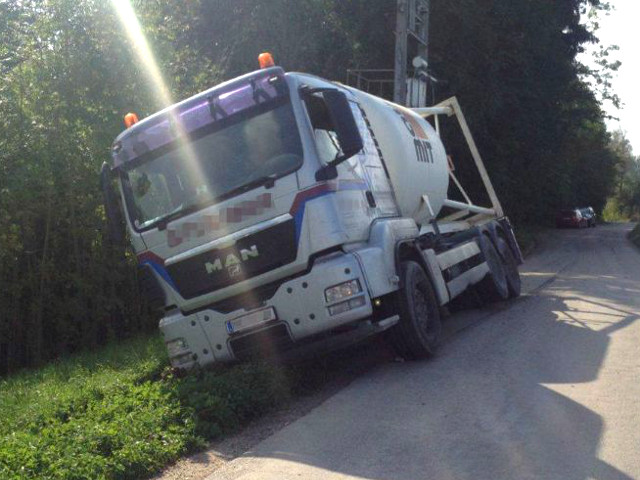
423,314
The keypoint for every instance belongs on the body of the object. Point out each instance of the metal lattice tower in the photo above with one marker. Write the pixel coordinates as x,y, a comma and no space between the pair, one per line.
405,83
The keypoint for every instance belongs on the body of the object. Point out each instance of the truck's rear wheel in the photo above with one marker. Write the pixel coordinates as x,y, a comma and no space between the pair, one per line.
510,267
417,334
494,286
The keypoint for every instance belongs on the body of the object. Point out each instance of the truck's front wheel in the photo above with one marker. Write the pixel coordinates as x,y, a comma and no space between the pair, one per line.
417,334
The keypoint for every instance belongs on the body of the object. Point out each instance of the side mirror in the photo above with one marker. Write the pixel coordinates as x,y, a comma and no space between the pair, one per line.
349,138
115,222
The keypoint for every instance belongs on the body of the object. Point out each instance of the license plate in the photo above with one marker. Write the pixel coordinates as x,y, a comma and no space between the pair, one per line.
251,320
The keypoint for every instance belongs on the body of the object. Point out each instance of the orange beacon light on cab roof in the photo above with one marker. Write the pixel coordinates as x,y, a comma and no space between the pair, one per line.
266,60
130,119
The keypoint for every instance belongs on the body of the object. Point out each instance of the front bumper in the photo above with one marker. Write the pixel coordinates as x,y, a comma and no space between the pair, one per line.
301,310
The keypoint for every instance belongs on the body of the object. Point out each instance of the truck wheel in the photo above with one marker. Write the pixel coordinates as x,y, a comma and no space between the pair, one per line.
417,334
494,286
510,267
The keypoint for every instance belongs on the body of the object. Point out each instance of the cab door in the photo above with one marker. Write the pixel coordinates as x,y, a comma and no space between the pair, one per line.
380,196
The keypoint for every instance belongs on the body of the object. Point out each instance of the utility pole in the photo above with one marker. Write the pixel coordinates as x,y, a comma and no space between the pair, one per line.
412,35
400,65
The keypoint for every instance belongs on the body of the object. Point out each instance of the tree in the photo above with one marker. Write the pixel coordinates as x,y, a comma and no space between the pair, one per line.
625,201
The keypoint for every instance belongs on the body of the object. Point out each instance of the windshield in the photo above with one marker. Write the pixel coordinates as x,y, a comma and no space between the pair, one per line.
219,161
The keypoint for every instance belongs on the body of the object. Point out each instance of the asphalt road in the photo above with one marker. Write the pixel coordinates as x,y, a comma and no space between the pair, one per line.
545,387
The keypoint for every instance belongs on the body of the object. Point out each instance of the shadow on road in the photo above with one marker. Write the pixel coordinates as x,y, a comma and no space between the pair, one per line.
488,407
517,392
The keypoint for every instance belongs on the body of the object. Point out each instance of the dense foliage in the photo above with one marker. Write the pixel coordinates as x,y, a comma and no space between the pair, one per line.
69,75
624,204
538,126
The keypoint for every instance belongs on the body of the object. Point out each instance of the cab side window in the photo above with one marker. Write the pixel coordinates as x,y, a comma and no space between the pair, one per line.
323,130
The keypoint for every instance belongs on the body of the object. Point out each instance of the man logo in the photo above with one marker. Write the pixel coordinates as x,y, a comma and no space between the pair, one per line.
232,261
233,271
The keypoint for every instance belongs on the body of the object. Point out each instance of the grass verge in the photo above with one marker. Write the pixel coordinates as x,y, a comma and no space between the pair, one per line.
119,413
527,236
634,236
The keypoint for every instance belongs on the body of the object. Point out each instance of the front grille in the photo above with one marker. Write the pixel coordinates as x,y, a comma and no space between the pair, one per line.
252,255
269,342
248,300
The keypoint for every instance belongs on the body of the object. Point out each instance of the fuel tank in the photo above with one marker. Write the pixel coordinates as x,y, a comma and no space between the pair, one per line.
413,154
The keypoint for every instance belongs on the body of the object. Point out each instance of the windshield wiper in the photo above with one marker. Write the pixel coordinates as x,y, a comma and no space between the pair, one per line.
178,212
267,180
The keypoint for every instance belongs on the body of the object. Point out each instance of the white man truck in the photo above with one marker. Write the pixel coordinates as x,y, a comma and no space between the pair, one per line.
280,213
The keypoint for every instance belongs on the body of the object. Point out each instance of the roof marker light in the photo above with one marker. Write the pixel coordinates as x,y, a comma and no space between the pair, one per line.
130,119
266,60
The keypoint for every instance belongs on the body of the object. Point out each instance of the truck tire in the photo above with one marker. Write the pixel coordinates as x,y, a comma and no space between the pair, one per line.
417,334
510,267
493,287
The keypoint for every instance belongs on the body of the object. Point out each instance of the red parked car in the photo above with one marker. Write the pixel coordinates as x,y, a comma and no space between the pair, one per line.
571,217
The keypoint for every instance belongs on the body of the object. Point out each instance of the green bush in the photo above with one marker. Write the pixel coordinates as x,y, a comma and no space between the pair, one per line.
120,413
613,211
226,398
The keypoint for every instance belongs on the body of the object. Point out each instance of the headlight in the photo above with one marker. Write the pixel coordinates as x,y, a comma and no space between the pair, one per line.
342,291
177,347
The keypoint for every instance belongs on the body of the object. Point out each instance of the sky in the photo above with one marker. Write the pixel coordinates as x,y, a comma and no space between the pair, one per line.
620,28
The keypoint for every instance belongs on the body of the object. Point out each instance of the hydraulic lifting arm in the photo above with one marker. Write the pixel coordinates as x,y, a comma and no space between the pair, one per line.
451,107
